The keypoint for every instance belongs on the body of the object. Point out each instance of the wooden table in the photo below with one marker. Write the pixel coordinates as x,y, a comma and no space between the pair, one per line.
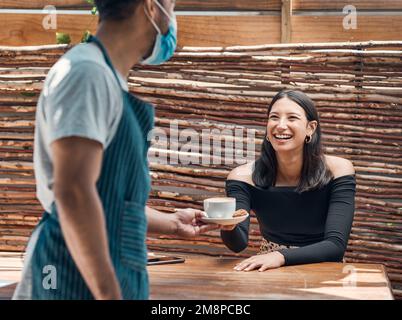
11,264
214,278
202,277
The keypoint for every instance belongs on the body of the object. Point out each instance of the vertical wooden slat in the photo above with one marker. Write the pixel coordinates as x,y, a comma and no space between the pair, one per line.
286,24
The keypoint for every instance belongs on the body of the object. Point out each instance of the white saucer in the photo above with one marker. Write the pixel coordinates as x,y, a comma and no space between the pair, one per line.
225,221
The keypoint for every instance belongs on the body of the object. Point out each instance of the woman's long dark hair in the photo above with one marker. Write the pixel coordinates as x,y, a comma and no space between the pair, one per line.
315,173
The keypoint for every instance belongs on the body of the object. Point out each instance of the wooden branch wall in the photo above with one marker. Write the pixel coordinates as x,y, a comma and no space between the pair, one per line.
220,23
357,88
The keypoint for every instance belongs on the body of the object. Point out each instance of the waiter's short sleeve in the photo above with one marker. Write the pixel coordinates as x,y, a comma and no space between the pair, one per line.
79,101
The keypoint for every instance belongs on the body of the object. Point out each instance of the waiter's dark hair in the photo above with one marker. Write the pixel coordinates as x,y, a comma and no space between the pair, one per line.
116,9
315,173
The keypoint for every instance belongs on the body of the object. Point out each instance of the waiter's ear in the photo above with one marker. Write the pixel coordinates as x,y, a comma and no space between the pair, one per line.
150,8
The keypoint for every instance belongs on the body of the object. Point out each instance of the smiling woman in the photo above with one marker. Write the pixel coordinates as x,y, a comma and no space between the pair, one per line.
293,132
303,199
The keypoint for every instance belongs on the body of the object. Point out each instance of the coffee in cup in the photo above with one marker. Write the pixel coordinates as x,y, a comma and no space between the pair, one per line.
222,207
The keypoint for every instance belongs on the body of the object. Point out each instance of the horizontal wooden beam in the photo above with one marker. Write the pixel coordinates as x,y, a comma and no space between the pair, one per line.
228,31
192,5
228,5
330,29
27,29
340,4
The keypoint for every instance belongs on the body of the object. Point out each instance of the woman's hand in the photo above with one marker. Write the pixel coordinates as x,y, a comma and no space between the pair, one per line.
263,262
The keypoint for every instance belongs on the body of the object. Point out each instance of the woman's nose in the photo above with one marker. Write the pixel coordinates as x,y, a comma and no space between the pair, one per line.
282,124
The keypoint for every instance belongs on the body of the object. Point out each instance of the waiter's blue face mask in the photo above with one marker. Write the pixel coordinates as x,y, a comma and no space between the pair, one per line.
165,44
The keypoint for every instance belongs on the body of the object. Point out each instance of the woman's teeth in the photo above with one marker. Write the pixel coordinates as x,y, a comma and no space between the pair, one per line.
282,136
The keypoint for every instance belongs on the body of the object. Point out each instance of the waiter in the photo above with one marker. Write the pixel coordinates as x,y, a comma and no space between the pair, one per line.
90,162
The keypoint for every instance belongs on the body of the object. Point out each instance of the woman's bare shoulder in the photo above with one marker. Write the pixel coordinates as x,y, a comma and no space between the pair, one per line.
242,173
339,166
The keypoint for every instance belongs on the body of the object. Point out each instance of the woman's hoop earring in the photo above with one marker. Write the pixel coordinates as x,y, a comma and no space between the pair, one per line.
308,139
266,137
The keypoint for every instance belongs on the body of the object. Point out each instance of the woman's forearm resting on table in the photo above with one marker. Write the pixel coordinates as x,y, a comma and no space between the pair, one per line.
324,251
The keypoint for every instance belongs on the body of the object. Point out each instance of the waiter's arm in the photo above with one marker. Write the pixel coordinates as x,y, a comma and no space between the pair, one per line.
77,165
160,223
184,222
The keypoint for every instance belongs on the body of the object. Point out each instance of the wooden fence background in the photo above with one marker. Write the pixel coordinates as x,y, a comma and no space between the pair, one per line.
357,88
220,23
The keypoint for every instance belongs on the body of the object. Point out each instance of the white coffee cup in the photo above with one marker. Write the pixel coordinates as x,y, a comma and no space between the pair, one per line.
222,207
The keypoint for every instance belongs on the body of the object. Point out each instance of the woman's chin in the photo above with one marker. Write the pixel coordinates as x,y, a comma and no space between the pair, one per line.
284,147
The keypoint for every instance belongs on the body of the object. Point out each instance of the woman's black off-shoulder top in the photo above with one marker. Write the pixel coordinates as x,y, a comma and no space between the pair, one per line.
318,222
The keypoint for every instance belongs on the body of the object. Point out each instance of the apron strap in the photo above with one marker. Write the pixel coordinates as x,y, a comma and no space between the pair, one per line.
99,44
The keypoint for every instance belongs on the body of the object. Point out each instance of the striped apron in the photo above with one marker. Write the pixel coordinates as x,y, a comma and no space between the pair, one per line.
123,186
